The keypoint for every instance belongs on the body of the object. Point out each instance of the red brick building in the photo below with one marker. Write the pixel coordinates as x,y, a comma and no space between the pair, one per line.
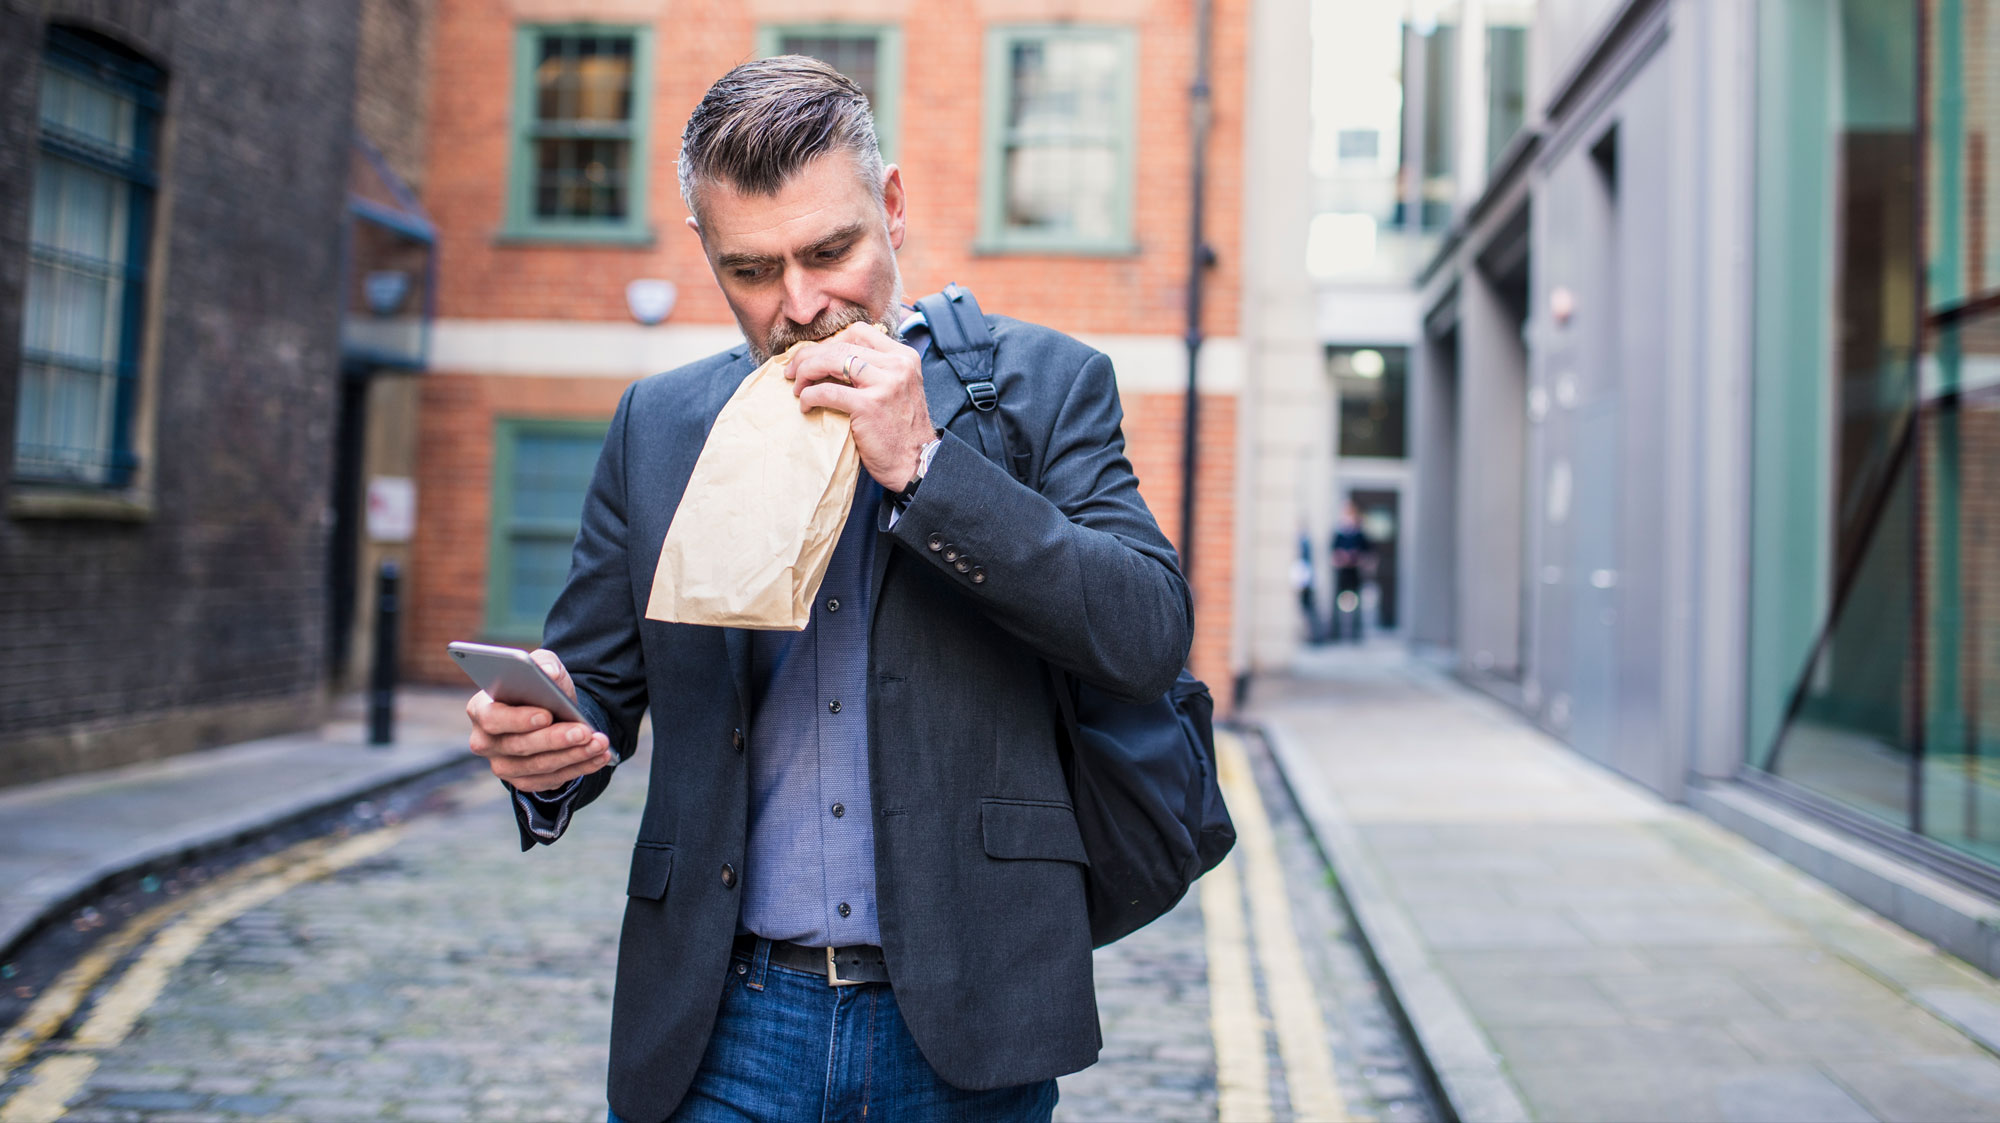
554,130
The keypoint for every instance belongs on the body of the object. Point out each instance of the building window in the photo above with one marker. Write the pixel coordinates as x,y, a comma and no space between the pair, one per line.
1059,128
541,470
88,237
871,55
580,107
1370,382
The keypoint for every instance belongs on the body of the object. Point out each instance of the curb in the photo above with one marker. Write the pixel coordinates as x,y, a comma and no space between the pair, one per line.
222,831
1465,1069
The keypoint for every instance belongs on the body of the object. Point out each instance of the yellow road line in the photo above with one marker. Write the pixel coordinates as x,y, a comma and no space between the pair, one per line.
1242,1075
57,1078
61,998
1295,1009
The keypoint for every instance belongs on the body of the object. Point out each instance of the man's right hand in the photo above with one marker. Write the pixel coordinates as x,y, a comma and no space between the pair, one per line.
526,746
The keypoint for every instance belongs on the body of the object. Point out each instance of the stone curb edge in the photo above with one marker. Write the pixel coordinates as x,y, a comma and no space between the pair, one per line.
1464,1068
218,834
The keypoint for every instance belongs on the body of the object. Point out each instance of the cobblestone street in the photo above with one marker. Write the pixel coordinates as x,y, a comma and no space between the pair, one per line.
446,976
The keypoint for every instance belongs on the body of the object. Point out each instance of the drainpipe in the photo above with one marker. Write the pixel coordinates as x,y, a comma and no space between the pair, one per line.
1200,257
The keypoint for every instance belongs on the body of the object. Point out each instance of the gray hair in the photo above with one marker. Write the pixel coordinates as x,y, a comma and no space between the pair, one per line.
763,121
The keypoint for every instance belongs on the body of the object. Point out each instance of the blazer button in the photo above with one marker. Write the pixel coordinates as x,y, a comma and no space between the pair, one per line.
728,876
736,740
936,543
963,565
979,575
950,552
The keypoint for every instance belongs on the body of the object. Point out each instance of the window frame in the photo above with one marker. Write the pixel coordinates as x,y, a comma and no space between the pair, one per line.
888,101
520,222
994,235
497,623
144,86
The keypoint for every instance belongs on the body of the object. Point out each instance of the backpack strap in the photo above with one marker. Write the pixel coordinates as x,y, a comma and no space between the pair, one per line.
960,333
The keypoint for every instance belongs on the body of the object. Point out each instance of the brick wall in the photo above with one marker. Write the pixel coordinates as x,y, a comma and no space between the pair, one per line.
196,615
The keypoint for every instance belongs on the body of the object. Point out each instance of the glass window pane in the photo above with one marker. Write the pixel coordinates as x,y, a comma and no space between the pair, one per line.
1063,189
1370,383
852,55
1832,581
78,285
1064,87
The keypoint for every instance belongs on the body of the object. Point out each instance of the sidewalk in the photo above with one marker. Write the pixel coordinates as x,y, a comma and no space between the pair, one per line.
1567,946
60,840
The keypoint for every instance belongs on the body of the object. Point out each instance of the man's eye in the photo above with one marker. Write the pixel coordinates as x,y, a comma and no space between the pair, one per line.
751,273
833,254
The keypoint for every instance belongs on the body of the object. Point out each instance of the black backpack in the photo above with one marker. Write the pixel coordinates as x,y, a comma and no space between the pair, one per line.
1141,775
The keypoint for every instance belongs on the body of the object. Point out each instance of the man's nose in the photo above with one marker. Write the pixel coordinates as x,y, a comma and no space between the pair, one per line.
804,300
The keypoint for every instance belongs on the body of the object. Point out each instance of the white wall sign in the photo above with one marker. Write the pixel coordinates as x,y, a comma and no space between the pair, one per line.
392,509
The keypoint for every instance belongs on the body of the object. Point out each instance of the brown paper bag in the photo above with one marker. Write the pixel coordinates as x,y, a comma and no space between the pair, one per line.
762,511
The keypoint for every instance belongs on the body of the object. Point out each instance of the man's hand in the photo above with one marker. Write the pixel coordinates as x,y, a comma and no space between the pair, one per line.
879,384
526,746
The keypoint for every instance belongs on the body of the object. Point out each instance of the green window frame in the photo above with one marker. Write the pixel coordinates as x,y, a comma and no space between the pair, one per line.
511,528
531,131
1113,135
90,233
886,98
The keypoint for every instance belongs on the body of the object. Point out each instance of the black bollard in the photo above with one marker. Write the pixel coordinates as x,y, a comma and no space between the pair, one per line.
382,675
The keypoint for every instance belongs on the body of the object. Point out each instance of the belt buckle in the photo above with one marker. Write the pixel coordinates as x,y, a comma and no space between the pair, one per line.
833,978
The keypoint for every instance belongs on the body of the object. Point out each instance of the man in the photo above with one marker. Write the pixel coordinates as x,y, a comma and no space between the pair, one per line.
878,799
1351,551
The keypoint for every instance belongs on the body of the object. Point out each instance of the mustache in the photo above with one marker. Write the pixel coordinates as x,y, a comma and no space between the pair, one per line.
827,323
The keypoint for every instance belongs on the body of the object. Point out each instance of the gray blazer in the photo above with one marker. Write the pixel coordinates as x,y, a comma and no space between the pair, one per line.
978,863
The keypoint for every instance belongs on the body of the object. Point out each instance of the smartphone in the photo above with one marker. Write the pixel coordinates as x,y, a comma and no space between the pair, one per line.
510,675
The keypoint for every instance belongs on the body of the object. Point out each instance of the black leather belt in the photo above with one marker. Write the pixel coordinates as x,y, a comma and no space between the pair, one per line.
840,967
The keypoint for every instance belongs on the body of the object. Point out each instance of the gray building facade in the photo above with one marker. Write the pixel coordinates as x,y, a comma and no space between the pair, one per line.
1702,415
173,191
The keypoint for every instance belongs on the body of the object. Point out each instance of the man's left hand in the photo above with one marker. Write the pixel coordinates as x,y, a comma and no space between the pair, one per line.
879,384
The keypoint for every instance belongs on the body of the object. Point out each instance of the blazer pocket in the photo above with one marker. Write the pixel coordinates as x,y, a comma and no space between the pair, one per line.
651,866
1024,829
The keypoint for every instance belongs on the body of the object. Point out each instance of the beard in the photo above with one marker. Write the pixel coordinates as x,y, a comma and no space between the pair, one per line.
828,323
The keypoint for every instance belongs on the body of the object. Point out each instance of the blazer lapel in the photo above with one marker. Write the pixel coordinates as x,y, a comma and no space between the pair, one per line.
735,641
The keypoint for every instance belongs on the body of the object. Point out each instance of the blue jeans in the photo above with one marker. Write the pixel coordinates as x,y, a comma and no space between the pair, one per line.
787,1048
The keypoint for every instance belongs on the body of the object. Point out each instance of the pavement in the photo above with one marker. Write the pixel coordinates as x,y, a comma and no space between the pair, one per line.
1566,945
426,970
62,841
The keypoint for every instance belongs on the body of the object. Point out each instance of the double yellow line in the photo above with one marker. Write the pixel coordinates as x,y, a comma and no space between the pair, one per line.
181,926
1242,1075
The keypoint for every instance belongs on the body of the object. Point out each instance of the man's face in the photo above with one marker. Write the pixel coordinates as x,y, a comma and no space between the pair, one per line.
808,261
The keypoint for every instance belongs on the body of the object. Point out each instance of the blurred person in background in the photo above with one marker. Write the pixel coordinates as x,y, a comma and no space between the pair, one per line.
1351,552
858,885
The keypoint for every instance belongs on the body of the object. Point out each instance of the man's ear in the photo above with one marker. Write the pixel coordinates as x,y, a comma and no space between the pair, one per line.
694,226
893,203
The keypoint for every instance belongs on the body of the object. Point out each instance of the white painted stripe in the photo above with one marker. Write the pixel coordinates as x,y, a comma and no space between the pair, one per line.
1295,1009
1146,364
1242,1074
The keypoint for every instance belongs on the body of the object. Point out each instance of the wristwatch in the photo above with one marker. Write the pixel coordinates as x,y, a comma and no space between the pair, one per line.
902,498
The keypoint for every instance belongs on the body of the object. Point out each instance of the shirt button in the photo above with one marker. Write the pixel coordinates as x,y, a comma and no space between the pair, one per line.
936,543
833,707
833,604
839,810
979,575
951,553
728,876
845,910
736,740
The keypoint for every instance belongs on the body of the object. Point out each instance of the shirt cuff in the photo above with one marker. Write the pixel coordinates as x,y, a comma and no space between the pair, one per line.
547,813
